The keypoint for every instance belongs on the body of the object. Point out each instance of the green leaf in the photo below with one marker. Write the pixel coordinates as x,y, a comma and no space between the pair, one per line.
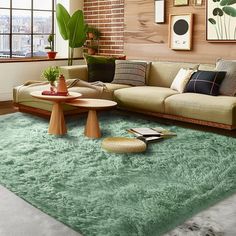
63,18
218,11
227,2
77,30
212,21
229,11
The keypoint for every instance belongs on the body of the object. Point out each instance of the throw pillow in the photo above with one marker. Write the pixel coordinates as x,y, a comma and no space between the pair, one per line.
205,82
181,79
130,72
100,68
228,86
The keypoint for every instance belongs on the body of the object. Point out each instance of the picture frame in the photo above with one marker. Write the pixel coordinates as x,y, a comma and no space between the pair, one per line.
159,10
180,31
220,21
178,3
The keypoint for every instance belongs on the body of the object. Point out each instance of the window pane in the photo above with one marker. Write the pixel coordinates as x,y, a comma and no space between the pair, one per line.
4,46
5,3
42,22
26,4
39,44
4,21
21,46
42,4
21,21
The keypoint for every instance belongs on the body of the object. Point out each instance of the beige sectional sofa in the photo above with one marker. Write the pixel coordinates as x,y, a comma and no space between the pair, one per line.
157,98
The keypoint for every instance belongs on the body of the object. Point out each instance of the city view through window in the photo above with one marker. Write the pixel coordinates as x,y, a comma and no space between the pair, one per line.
24,27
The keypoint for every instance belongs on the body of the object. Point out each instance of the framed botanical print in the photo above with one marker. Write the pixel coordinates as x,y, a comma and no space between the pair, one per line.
180,3
180,31
221,20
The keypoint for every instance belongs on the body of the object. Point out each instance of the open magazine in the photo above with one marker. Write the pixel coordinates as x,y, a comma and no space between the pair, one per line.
151,134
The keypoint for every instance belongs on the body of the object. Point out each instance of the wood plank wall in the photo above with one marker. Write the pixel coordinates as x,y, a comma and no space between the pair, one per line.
145,39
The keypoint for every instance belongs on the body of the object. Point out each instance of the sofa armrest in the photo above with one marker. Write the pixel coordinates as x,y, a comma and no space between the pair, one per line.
75,72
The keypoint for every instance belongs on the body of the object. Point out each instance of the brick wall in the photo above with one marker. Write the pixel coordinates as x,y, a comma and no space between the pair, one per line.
108,17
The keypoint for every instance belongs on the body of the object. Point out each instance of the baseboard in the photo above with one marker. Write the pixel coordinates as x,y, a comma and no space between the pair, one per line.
5,96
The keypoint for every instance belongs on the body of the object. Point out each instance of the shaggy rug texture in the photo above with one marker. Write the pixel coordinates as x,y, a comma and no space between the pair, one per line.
99,193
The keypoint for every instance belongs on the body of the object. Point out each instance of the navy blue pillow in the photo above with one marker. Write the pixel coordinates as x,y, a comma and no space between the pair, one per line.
205,82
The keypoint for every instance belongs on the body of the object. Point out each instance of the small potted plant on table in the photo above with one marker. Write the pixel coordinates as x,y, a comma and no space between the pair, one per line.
51,53
51,74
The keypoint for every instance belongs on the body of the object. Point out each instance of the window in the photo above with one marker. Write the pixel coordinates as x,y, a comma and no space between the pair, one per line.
25,26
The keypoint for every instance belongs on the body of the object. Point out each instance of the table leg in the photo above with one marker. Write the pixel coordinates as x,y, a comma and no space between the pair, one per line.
92,129
57,123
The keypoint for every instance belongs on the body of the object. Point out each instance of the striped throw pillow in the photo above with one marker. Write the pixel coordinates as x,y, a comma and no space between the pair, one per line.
130,72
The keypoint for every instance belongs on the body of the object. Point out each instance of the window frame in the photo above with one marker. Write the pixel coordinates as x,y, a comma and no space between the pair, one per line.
31,34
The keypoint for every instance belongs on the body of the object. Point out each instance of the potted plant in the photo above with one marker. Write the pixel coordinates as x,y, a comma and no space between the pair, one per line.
92,50
71,28
51,53
51,74
93,33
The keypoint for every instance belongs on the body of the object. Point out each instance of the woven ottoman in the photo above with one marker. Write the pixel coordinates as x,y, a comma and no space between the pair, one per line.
123,145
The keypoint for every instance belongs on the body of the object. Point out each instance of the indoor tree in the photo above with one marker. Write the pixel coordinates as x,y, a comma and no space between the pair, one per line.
72,28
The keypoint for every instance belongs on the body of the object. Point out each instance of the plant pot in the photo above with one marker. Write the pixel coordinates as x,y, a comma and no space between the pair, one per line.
92,51
90,35
51,54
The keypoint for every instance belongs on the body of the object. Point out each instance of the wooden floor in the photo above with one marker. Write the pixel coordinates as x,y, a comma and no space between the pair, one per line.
7,107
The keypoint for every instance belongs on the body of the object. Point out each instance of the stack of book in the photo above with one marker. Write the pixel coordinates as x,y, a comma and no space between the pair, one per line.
151,134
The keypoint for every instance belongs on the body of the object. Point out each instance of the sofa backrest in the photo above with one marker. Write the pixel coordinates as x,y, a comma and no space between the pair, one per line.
162,73
75,72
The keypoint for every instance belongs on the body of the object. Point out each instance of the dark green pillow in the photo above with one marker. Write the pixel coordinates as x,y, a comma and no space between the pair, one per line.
100,68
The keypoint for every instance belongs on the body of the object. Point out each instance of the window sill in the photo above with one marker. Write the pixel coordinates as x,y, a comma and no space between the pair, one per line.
11,60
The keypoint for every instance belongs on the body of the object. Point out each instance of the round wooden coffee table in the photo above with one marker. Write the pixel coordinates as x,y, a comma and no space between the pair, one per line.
92,129
57,125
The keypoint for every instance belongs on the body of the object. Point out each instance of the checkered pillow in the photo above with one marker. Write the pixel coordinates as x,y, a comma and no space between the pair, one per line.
205,82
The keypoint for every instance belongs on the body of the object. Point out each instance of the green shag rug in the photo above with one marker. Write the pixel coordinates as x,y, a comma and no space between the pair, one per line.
98,193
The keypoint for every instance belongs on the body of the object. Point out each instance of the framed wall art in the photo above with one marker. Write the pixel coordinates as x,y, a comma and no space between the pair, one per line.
180,31
177,3
221,20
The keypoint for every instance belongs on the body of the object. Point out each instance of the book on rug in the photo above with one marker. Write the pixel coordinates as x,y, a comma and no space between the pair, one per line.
149,139
152,132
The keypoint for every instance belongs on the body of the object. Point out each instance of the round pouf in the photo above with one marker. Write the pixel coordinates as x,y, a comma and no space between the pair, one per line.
123,145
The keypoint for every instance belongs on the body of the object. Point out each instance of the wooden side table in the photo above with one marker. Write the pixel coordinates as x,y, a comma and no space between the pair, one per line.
57,125
92,129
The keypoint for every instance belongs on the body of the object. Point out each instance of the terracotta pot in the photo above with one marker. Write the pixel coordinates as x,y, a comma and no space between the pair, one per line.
92,51
90,35
51,54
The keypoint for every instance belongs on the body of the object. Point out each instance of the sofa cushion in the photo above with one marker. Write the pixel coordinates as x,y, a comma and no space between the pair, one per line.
100,68
209,67
108,93
163,73
220,109
228,86
205,82
181,79
76,71
130,72
145,98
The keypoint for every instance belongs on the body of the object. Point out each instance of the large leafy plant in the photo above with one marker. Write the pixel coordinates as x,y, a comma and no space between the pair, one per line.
72,28
223,13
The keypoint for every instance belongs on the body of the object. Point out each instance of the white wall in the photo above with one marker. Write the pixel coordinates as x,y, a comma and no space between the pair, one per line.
14,74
